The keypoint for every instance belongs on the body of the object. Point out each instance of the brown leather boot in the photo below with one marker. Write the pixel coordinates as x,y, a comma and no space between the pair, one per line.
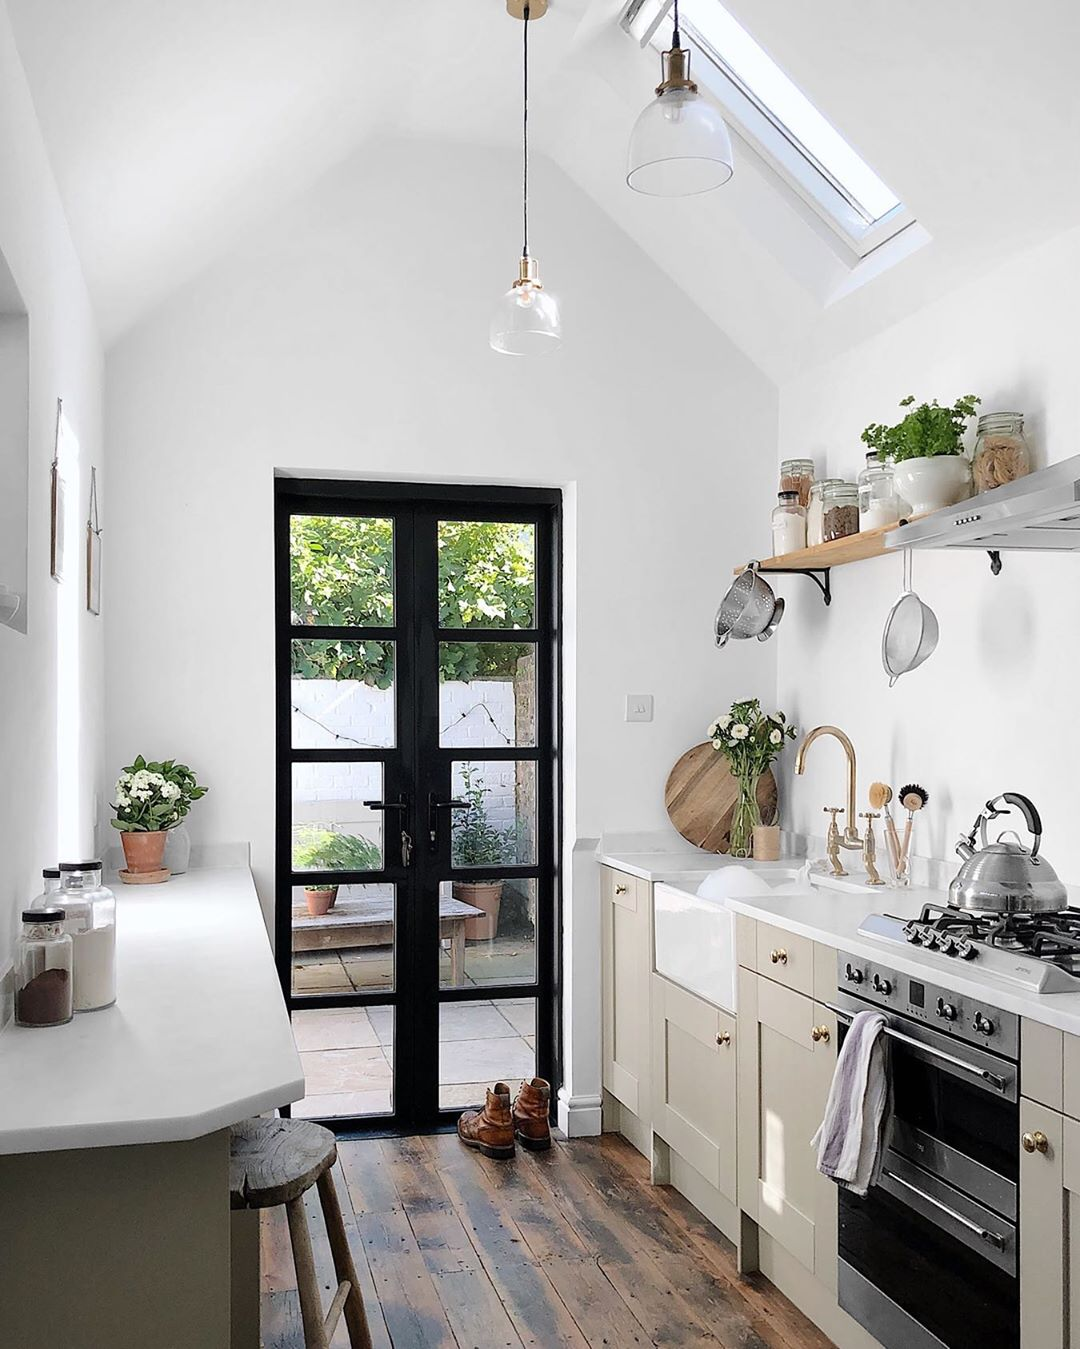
532,1125
491,1130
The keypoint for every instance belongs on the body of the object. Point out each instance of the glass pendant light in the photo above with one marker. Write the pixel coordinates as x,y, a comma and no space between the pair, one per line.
680,145
526,321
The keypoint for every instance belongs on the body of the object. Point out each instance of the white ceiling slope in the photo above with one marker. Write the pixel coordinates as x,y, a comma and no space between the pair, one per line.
174,127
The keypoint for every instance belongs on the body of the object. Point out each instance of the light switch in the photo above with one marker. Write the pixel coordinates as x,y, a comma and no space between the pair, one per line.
639,706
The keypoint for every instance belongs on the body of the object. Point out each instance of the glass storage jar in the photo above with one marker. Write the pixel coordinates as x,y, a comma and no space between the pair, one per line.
879,504
1001,450
788,524
815,512
91,921
797,475
43,961
841,511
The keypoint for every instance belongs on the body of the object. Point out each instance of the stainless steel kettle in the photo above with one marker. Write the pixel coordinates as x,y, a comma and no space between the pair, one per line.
1006,877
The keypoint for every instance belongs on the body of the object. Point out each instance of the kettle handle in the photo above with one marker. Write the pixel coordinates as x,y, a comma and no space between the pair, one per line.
1026,807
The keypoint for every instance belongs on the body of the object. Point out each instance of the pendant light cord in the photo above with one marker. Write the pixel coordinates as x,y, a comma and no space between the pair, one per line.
525,136
676,36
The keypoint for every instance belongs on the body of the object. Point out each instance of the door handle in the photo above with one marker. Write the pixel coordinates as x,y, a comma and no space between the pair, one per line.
434,806
401,804
401,807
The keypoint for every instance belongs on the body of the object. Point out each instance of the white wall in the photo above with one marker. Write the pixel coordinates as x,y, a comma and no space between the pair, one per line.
41,769
994,708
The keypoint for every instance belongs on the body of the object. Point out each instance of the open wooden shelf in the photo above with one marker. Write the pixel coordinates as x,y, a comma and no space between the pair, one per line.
855,548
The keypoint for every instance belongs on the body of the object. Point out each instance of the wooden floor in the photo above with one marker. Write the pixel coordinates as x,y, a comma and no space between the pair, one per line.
571,1247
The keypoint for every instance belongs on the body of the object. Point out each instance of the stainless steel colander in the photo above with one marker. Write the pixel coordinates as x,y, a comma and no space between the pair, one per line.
749,609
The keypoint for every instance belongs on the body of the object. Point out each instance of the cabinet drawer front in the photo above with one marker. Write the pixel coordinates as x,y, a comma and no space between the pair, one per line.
1071,1058
785,957
619,888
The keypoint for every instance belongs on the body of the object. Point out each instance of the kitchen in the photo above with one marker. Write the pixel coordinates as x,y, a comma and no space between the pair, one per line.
245,312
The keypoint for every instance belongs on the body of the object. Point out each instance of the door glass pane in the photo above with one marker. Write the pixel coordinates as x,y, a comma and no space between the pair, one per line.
498,825
487,694
347,1055
481,1043
487,574
343,938
332,829
342,694
487,932
341,570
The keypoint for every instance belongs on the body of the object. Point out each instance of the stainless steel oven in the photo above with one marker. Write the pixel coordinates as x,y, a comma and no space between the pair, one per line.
929,1258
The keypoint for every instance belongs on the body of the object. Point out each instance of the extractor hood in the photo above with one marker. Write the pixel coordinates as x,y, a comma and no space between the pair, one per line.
1039,513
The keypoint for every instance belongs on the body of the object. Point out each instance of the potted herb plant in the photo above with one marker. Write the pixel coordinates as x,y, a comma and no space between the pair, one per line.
926,448
147,805
318,849
476,843
750,740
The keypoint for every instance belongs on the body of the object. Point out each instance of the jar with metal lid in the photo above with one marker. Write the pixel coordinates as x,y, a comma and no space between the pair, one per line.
840,511
879,504
797,475
91,921
1001,450
788,524
43,969
815,512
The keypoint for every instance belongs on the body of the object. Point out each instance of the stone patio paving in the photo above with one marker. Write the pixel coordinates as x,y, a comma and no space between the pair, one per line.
347,1053
364,969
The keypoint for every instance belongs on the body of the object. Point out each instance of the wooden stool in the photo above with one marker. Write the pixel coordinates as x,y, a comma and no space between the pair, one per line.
275,1161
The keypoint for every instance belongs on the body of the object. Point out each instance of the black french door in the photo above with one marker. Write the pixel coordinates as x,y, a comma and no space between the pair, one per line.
417,894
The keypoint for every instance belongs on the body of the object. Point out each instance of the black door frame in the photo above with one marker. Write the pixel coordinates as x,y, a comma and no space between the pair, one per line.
417,773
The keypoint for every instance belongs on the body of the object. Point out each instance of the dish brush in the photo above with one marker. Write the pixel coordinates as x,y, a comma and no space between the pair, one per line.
912,798
880,796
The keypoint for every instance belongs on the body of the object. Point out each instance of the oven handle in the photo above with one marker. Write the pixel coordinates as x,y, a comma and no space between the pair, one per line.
995,1239
995,1081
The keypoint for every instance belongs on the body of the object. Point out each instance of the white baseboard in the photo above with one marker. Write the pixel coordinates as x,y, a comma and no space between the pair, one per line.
579,1116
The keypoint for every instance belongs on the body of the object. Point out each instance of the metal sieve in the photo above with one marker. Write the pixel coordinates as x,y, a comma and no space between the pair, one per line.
911,631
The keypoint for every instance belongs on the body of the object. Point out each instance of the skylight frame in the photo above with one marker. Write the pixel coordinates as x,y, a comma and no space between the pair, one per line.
769,136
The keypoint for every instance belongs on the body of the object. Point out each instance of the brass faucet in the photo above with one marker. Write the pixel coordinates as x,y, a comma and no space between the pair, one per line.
850,837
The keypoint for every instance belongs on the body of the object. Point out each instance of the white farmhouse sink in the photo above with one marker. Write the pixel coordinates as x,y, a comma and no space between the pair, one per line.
694,935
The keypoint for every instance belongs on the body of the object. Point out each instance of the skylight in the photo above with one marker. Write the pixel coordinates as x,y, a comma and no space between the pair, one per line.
777,119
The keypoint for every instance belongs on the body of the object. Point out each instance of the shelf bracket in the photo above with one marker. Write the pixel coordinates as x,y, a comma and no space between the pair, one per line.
995,561
821,577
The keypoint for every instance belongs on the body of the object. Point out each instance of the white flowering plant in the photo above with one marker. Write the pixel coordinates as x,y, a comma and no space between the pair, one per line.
749,738
153,796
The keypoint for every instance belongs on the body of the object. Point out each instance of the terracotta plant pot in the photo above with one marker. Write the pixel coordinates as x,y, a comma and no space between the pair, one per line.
766,843
319,899
143,851
486,895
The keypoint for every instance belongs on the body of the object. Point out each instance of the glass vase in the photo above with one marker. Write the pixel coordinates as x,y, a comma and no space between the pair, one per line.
746,816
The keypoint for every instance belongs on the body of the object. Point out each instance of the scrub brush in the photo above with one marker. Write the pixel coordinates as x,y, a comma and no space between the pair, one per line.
912,798
880,796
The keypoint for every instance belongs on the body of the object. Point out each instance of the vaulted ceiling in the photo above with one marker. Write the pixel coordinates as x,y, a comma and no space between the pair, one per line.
173,128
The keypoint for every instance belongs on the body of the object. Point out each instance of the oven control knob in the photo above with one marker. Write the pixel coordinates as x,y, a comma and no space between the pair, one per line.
983,1024
882,986
853,976
946,1010
965,949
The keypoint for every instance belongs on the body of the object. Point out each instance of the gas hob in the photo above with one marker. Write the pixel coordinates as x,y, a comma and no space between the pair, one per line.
1039,952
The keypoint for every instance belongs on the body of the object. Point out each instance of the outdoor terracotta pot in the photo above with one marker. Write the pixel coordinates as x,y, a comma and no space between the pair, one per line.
143,851
319,899
486,895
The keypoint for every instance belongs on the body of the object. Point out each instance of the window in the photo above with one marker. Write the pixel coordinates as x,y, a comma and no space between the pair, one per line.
777,119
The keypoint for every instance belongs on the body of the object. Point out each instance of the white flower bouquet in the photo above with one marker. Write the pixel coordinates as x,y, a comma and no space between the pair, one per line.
750,740
154,796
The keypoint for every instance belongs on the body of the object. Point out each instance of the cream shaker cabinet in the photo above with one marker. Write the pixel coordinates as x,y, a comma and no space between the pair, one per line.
1049,1228
693,1077
785,1061
626,966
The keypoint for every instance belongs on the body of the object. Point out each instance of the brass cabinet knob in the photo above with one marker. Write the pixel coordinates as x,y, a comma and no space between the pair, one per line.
724,1038
621,889
820,1033
779,956
1036,1142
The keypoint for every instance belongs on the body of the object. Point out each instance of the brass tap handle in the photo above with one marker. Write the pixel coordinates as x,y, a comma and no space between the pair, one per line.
873,877
724,1038
1036,1142
820,1034
833,843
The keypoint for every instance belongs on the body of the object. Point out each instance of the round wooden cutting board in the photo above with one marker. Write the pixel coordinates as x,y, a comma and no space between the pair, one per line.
701,795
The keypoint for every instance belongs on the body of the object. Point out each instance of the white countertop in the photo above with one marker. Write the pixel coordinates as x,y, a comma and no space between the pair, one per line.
198,1038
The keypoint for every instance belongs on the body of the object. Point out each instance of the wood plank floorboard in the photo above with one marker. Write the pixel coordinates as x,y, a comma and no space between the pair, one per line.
568,1249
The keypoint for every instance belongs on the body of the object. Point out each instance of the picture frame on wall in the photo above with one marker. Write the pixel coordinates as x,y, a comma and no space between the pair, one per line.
56,532
93,550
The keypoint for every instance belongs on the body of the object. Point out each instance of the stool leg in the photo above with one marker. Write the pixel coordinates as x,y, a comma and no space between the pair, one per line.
307,1282
355,1315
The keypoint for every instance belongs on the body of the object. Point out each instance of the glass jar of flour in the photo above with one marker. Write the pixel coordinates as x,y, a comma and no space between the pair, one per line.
91,921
